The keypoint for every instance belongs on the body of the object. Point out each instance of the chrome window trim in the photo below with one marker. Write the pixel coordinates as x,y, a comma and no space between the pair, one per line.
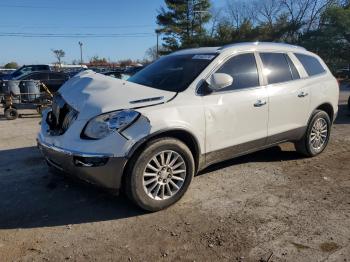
318,75
296,80
235,91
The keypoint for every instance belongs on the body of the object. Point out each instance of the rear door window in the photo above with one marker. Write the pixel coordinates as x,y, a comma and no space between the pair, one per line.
276,67
311,64
243,70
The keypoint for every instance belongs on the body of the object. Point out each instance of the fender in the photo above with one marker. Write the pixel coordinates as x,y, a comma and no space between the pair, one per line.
176,132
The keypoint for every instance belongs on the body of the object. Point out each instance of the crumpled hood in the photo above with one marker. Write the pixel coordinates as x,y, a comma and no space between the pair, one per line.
92,94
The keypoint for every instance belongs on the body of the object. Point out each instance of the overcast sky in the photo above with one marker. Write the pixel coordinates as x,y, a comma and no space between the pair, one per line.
131,22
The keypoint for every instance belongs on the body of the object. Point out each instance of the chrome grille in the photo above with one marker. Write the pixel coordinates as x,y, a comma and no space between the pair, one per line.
61,117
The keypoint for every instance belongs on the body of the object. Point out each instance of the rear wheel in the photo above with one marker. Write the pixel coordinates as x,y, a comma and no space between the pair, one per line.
11,113
160,175
317,135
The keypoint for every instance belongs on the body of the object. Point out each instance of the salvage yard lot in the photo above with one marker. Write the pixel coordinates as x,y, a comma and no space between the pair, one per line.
272,205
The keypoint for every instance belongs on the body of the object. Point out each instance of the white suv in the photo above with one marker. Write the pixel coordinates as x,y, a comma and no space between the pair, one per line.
153,133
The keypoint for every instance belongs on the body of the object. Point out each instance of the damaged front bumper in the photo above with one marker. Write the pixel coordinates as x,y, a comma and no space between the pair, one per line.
100,169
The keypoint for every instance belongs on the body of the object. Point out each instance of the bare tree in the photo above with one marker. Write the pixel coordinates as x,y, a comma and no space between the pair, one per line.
125,62
59,54
239,11
305,13
216,15
151,53
267,11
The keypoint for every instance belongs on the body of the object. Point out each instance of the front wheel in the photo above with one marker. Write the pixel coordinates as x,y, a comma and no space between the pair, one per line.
317,135
160,175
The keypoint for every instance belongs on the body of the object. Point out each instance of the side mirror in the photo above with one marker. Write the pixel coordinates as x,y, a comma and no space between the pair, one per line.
219,81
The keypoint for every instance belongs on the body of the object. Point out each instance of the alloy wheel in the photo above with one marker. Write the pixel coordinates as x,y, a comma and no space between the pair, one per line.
164,175
319,134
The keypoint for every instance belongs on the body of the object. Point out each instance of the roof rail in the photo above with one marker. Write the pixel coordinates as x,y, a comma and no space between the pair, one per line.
257,43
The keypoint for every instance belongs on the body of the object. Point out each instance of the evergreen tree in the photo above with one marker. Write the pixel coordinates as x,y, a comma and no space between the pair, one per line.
182,23
332,39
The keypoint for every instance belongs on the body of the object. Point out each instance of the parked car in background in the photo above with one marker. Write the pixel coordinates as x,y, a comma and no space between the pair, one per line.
70,70
5,71
133,70
24,70
188,110
72,73
53,80
114,73
123,74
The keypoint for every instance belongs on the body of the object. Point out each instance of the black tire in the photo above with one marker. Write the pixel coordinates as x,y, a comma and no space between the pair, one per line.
304,145
134,187
349,103
11,113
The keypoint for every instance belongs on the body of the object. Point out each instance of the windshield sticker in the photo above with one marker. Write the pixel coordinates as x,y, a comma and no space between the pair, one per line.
203,57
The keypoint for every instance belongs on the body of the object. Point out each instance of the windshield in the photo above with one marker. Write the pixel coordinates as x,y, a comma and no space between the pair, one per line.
173,73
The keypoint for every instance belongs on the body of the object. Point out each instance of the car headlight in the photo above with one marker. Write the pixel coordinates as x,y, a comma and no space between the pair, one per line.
102,125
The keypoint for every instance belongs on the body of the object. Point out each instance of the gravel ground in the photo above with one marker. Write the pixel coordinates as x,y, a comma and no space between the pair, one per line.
269,206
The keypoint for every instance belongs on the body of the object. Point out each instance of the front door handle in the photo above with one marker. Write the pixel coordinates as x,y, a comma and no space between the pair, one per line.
302,94
260,103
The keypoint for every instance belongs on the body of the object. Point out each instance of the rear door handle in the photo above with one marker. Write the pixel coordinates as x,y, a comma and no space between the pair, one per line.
260,103
302,94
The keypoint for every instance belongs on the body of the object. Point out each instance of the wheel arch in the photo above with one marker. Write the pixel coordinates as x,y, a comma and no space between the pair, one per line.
183,135
328,108
187,137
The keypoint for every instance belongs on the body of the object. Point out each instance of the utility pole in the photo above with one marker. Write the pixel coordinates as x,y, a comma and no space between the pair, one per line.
81,52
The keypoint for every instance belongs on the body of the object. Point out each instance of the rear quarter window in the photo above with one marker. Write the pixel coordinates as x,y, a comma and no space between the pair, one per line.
311,64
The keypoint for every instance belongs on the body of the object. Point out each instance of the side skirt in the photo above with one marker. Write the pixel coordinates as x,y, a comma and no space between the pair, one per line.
250,147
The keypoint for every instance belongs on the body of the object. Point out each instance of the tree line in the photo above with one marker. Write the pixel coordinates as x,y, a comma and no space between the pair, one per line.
321,26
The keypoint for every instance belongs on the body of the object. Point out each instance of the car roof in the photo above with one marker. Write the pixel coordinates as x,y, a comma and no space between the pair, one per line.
256,46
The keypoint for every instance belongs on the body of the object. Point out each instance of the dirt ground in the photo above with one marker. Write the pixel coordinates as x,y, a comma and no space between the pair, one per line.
269,206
